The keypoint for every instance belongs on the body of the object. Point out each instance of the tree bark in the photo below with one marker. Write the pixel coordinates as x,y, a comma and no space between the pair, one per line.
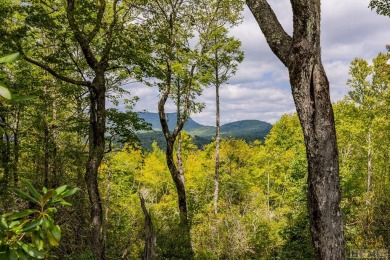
301,54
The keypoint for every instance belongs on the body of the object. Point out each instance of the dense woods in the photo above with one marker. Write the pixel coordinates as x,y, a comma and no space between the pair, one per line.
225,198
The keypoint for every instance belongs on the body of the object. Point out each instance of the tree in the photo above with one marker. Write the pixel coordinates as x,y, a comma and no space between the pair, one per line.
86,42
301,54
182,35
382,6
225,56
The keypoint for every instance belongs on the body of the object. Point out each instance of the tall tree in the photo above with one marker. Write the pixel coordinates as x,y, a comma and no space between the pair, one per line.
225,54
182,34
301,54
90,48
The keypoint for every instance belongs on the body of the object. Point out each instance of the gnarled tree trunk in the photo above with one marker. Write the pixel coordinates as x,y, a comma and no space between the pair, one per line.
301,54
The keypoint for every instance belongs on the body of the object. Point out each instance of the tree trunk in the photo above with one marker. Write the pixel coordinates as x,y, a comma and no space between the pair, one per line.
217,146
96,152
150,235
369,166
5,158
178,179
46,154
15,166
301,54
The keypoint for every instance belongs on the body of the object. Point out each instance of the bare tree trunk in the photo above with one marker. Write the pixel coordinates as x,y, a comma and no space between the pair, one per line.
150,235
301,54
217,148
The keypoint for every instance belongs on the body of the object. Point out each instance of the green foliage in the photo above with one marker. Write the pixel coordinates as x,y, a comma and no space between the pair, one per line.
4,91
24,233
382,6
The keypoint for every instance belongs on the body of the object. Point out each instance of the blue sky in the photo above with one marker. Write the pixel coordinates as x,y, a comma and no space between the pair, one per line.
260,89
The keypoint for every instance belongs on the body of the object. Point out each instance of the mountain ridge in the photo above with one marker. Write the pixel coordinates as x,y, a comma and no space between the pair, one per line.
248,130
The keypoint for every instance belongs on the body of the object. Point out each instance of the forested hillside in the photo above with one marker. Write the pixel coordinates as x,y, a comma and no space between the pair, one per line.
77,183
248,130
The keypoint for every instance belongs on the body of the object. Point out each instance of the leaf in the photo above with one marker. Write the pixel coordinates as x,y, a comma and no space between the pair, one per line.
13,255
61,189
21,254
52,240
56,231
70,192
48,223
36,239
47,196
4,92
15,223
21,214
25,196
32,251
3,223
65,203
10,58
31,188
17,98
32,225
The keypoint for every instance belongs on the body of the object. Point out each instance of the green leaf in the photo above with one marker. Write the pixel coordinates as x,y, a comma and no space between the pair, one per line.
10,58
61,189
52,240
3,76
56,231
3,223
32,251
32,225
70,192
37,241
47,223
15,223
13,255
31,188
65,203
47,196
21,214
21,254
17,98
4,92
25,196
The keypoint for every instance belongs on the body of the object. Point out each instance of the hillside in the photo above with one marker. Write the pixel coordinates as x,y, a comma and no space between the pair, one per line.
249,130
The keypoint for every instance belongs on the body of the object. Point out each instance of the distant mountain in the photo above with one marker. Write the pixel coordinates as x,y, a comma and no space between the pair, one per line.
153,119
249,130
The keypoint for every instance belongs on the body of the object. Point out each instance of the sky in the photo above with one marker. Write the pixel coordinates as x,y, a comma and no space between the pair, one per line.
260,89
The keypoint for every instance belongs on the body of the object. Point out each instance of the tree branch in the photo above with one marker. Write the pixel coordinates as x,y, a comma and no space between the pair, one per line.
57,75
98,24
84,43
279,41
